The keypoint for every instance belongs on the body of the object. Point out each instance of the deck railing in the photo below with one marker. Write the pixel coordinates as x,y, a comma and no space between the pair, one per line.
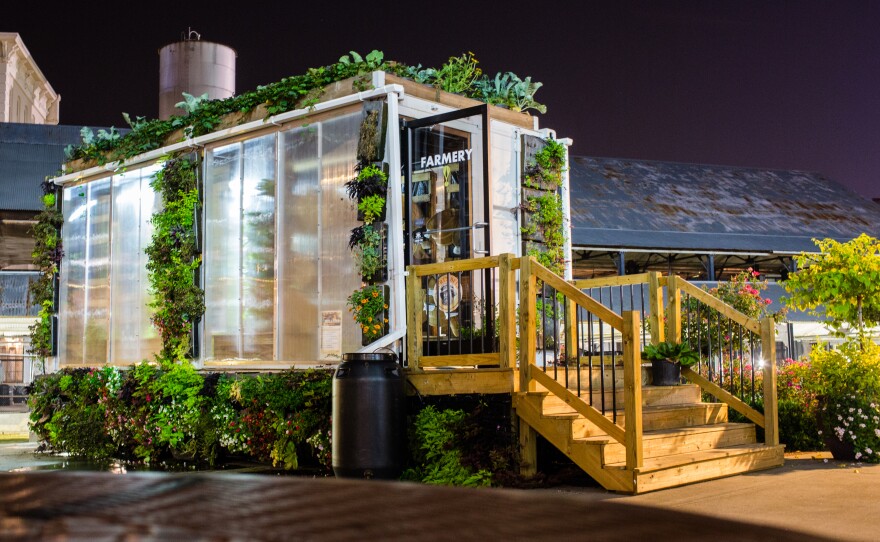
567,332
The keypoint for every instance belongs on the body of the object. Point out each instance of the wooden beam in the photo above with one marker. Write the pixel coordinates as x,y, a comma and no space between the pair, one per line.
714,389
632,384
655,297
459,360
571,329
528,450
527,322
771,405
460,381
604,313
613,430
506,311
414,304
726,310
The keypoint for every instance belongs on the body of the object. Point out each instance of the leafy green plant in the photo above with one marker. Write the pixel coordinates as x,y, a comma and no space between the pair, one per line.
521,97
844,280
671,352
366,305
370,181
174,259
458,74
191,103
366,246
438,459
46,256
373,208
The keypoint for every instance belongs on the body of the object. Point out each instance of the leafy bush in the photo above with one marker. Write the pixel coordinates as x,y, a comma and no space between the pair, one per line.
153,415
438,458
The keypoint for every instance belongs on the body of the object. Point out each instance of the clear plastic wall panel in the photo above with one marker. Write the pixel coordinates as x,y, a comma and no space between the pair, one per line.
97,317
72,279
338,275
151,342
133,337
298,206
125,288
258,249
222,253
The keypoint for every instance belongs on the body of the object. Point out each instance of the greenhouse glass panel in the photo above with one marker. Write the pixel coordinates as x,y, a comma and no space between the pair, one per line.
133,337
299,198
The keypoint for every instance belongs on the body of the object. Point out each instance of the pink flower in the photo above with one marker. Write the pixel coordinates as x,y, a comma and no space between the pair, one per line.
768,301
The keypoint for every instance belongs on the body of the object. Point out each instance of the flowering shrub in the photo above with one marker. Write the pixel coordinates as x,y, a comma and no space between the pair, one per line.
743,292
154,415
367,306
846,384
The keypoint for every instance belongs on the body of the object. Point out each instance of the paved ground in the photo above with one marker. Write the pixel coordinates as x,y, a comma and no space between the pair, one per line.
807,499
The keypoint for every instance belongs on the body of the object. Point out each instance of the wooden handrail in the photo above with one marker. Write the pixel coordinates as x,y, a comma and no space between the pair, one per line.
726,310
614,280
570,291
455,266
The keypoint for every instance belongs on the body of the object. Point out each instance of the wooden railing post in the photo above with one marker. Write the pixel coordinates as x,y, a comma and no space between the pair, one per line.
527,323
655,297
632,383
506,312
414,307
771,408
673,309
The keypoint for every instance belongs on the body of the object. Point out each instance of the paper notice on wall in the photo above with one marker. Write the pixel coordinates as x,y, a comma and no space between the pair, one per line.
331,336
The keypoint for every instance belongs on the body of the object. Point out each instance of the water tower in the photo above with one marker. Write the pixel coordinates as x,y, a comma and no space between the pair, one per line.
196,67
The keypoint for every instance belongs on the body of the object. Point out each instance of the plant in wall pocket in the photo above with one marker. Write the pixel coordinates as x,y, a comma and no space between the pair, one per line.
667,359
368,307
367,246
370,183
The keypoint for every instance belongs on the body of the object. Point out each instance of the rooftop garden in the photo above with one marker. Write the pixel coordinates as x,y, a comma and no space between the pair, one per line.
459,75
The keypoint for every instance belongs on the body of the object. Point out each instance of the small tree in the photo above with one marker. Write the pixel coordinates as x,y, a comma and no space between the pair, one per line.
844,279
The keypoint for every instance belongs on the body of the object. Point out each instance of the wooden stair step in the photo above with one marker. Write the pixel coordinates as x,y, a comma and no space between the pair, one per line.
676,441
653,418
680,469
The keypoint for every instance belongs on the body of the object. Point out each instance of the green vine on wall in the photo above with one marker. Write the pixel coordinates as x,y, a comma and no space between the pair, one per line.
544,211
173,258
47,256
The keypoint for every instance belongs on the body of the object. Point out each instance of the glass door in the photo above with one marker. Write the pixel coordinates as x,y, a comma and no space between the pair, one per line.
446,202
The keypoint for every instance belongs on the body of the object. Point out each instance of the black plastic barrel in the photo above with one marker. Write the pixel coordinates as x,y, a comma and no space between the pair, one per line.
368,417
5,395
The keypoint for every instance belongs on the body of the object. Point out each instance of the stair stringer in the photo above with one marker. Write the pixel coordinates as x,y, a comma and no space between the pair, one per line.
588,458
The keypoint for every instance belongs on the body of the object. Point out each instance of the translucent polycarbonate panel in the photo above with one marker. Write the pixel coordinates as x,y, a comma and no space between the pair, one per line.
72,279
298,208
97,283
132,335
338,275
222,253
258,249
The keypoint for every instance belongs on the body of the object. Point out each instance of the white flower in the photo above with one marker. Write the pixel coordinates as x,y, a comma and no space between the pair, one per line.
851,409
820,431
861,425
877,432
869,451
858,455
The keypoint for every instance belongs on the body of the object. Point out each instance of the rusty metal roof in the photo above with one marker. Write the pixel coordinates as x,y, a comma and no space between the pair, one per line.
640,204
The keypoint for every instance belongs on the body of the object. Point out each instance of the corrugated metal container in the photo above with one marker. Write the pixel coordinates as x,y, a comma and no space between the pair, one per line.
195,67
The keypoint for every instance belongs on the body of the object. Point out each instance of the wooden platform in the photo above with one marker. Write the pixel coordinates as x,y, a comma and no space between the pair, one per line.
684,439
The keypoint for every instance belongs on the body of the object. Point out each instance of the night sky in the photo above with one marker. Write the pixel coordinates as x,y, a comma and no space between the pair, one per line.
767,84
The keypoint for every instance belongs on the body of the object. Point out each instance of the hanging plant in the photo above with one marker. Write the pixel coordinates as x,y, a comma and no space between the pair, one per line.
370,181
542,222
366,246
174,260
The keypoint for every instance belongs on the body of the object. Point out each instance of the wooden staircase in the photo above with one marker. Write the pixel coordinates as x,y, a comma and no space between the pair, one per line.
684,439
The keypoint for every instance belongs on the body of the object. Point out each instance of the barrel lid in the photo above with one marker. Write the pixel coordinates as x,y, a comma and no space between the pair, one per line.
369,356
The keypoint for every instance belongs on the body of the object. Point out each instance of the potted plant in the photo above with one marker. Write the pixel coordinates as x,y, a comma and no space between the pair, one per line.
667,359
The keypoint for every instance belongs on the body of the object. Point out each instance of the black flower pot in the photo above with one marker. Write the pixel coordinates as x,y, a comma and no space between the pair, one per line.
665,373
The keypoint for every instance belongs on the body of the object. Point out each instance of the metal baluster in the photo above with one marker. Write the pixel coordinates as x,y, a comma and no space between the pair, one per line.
752,358
741,375
590,354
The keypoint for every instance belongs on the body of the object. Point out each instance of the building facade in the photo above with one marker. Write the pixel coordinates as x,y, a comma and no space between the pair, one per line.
25,94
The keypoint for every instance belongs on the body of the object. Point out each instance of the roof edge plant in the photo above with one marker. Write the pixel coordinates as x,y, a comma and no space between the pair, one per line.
459,74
